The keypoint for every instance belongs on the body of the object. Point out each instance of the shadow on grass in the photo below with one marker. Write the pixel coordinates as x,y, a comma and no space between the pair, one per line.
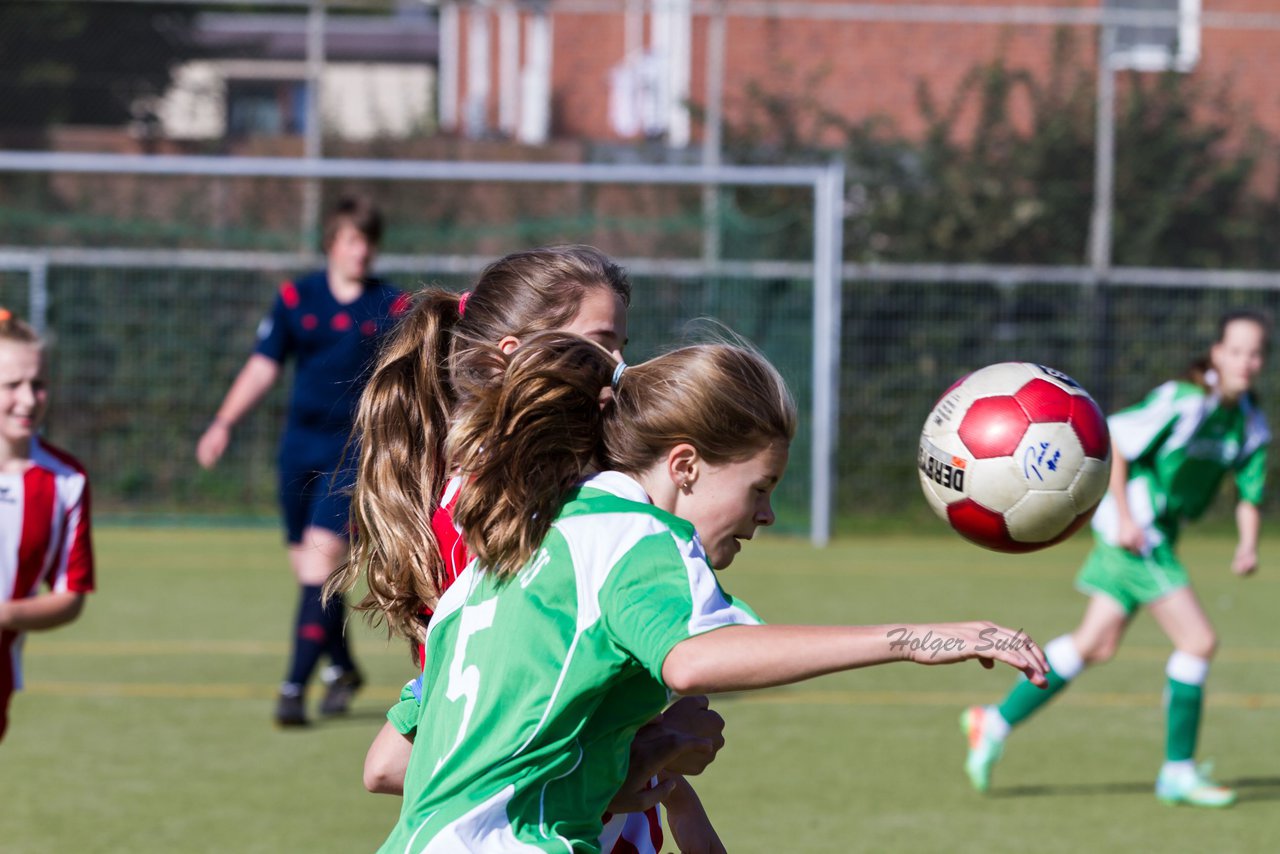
1249,788
1071,789
1256,788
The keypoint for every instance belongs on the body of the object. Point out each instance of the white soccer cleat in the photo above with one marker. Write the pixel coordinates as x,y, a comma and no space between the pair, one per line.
1193,788
984,751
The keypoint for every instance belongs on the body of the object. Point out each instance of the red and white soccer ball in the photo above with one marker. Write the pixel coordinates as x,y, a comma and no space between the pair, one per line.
1015,457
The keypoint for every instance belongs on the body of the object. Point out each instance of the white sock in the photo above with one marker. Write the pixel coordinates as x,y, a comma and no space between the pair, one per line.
1063,657
1182,768
994,726
1187,668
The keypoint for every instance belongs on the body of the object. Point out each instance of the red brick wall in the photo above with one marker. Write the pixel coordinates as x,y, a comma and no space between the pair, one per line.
867,68
585,49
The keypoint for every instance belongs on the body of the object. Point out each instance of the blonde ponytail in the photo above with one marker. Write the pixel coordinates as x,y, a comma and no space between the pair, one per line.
441,355
401,422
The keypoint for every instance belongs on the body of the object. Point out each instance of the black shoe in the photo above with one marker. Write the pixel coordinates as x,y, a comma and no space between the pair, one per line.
290,711
341,688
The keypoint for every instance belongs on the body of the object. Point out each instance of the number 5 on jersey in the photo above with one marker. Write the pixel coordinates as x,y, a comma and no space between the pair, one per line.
464,682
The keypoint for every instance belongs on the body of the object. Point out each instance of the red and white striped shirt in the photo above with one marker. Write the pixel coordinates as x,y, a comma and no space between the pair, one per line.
44,539
628,833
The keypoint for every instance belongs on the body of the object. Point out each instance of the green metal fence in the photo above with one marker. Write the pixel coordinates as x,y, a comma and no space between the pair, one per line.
139,359
904,343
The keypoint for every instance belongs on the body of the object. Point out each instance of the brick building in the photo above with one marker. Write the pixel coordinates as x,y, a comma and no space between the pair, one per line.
612,70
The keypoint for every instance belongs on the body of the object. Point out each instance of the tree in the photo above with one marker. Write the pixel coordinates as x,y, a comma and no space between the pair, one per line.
84,62
997,190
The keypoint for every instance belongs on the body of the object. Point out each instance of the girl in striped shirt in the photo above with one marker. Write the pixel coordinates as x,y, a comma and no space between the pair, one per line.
46,561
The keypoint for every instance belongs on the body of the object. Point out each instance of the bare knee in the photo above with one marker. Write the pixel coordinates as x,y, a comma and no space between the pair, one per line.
1098,636
1202,645
319,554
1098,649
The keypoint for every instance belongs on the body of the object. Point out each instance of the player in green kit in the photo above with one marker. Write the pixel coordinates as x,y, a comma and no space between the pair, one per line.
591,601
444,344
1170,454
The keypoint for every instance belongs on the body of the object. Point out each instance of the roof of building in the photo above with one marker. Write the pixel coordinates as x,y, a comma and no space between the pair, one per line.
402,37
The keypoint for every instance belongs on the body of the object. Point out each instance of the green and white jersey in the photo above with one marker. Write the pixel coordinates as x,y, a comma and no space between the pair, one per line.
535,688
1179,443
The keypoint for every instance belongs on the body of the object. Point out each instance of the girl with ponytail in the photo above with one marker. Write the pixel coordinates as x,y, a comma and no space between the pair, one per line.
447,349
598,498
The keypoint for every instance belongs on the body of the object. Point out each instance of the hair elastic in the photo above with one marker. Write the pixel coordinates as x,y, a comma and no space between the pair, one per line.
462,303
617,375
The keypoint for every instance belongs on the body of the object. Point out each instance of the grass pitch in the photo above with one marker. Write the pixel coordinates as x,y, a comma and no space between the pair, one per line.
146,726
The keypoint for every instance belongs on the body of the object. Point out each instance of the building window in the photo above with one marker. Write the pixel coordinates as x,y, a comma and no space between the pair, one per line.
1158,46
266,107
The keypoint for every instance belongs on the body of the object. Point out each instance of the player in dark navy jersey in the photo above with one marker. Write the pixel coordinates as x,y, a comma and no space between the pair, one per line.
329,323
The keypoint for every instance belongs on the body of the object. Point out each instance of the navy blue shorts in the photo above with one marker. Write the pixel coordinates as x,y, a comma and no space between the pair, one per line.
310,498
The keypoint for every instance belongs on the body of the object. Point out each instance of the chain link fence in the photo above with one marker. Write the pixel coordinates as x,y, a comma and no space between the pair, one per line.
906,342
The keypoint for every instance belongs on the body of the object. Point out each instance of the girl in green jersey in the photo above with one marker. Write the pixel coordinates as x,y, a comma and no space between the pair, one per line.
591,602
446,345
1169,454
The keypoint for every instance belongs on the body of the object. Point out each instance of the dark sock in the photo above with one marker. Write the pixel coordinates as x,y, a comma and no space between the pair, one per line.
335,615
309,636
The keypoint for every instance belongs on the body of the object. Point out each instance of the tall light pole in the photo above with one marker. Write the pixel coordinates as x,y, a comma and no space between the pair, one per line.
313,130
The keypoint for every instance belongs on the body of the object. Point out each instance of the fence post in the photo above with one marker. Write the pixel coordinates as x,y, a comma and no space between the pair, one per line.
38,294
828,257
1104,148
712,132
1100,226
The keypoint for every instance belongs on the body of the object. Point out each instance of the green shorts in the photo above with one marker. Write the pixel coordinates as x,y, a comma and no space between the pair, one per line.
1131,580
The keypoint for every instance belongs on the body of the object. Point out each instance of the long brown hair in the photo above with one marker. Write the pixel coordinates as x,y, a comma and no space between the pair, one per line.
441,353
527,439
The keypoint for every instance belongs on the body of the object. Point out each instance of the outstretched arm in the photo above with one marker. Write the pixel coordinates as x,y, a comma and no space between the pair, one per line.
739,658
46,611
251,384
1248,523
